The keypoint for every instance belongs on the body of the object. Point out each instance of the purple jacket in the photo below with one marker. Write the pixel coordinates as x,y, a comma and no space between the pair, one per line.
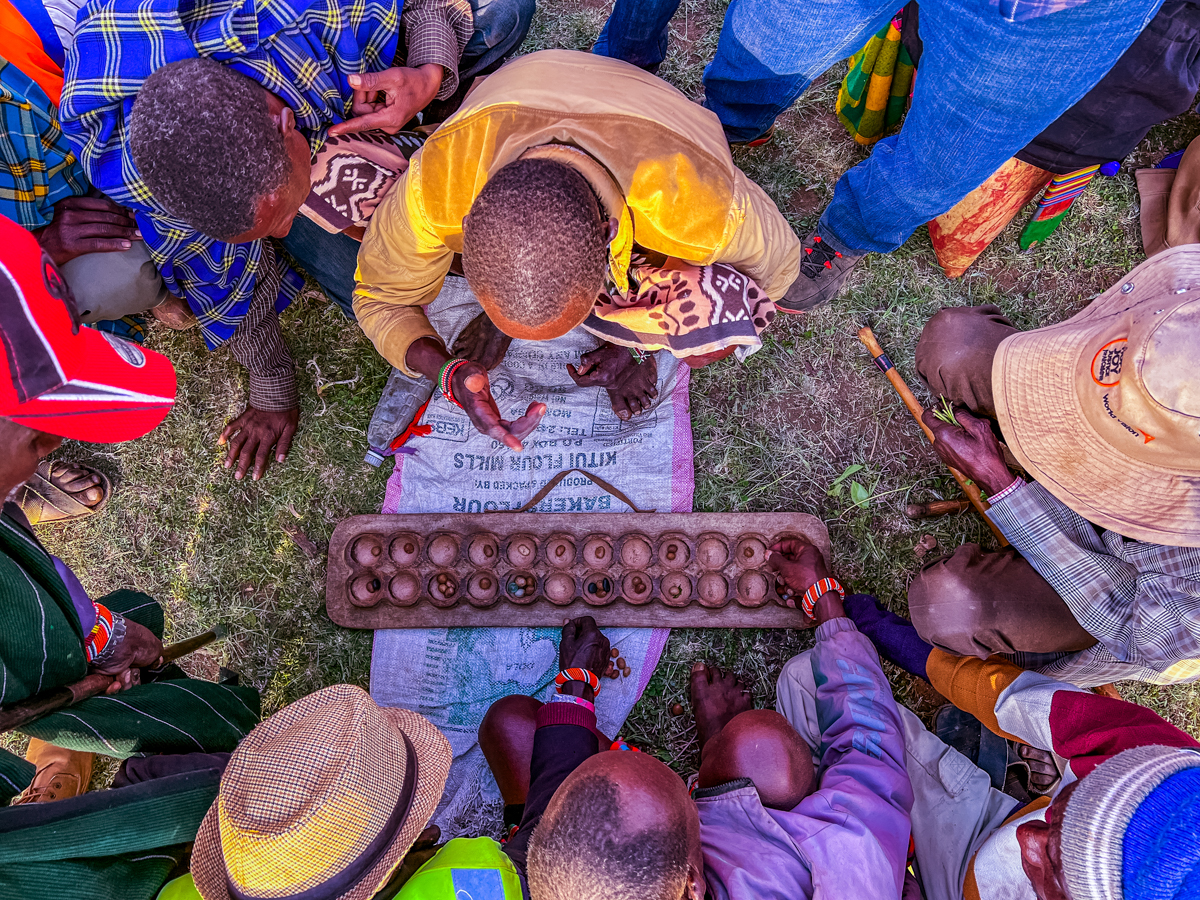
848,839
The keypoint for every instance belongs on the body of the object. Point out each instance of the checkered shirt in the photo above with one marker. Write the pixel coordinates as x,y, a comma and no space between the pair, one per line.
259,346
302,51
436,31
1141,601
37,165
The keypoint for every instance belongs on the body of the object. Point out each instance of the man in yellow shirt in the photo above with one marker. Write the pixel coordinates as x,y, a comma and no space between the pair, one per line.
580,191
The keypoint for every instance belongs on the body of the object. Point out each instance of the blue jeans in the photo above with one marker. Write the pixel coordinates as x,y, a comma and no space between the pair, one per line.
500,27
636,31
985,89
329,259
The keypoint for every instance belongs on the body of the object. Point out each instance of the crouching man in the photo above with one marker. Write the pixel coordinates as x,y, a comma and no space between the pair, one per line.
579,191
764,821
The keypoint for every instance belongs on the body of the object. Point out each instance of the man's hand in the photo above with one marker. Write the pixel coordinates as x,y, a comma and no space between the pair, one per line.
387,100
972,448
252,435
139,649
632,387
800,565
87,225
473,390
583,646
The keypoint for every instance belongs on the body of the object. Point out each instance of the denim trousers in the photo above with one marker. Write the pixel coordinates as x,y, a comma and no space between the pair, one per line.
985,89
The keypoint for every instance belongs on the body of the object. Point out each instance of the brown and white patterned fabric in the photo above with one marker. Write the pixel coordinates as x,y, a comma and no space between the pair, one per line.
352,173
326,796
687,309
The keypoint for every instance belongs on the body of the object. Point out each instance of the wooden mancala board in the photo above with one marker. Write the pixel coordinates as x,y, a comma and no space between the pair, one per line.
441,570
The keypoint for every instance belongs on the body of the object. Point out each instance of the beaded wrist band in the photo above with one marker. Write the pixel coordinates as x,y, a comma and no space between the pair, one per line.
824,586
109,630
445,377
578,674
639,355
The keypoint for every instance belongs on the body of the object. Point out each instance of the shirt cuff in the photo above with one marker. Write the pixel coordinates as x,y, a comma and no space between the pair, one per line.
828,629
432,40
274,393
1017,484
565,714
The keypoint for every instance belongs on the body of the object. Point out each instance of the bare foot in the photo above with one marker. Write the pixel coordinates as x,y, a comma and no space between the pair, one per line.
482,342
717,696
175,313
81,482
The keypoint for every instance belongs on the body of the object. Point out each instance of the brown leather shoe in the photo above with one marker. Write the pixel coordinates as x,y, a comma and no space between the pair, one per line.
61,773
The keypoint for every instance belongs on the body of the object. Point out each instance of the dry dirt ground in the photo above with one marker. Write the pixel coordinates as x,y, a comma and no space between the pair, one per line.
773,434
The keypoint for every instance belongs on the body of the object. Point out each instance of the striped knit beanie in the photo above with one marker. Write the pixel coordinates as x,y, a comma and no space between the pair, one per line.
1131,830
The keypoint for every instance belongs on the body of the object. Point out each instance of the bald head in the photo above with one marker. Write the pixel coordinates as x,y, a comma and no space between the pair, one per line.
622,825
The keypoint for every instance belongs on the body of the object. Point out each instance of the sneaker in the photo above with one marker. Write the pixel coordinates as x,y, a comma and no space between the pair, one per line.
823,271
61,773
764,138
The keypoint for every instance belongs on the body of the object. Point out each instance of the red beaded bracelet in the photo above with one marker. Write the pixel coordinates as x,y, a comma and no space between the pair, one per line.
824,586
575,673
445,379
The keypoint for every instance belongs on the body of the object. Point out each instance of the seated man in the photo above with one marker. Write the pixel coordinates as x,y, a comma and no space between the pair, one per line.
579,190
215,167
763,823
60,380
1120,824
1103,411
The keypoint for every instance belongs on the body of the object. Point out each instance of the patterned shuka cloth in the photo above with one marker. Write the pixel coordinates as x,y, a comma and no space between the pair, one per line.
42,648
876,88
687,309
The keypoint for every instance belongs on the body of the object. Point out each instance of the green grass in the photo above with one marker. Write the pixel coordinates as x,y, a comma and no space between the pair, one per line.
772,434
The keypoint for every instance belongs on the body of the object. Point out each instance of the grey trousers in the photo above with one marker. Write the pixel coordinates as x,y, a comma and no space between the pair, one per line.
108,286
955,808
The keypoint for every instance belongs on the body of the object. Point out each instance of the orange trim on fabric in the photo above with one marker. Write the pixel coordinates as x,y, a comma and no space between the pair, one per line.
973,685
23,48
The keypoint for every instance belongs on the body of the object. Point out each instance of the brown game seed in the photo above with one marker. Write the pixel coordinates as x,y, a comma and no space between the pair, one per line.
621,663
677,709
614,652
625,671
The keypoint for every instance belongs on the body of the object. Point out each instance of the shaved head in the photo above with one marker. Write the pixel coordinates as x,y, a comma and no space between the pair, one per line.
621,825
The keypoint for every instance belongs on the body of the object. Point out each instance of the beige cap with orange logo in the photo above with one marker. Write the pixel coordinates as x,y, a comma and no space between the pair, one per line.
1104,408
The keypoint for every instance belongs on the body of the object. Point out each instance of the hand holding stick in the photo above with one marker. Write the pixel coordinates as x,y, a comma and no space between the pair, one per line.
867,336
18,714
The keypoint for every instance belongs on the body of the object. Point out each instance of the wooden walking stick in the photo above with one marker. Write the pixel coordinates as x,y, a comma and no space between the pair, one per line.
24,712
867,336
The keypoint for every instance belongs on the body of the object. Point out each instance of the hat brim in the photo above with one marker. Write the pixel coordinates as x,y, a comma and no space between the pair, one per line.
434,755
1041,414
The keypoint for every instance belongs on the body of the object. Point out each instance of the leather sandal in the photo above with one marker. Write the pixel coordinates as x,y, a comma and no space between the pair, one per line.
44,502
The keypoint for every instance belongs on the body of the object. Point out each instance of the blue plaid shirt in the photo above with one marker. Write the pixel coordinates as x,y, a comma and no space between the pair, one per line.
1141,601
303,51
37,165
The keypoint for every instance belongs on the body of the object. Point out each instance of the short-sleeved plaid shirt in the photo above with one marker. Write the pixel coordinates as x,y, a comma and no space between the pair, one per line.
301,50
37,164
1141,601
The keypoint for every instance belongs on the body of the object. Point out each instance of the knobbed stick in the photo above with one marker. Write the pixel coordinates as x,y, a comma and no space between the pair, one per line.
867,336
936,508
18,714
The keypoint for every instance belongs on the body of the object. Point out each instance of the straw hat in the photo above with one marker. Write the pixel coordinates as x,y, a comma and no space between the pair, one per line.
321,801
1104,408
1170,201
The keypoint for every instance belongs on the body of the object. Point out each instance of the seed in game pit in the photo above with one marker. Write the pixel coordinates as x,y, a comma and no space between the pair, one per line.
672,551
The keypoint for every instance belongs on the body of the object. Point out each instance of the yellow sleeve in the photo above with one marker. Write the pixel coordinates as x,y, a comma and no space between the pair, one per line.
973,685
401,267
764,247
